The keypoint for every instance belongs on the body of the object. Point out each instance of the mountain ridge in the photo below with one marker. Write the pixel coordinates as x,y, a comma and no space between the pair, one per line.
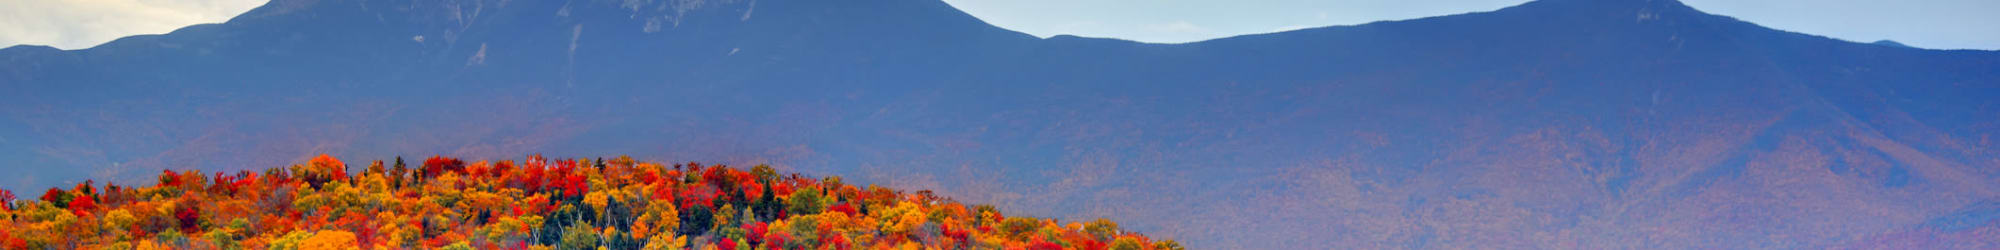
1556,122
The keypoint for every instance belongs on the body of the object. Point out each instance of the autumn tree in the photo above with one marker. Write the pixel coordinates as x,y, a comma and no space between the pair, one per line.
6,200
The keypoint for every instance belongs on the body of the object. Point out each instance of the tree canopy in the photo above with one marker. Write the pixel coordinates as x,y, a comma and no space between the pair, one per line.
537,204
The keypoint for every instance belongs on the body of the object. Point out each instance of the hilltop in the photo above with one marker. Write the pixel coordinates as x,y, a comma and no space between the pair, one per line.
538,204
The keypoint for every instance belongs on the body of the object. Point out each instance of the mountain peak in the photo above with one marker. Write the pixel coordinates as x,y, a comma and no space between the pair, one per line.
1891,43
1640,10
1628,3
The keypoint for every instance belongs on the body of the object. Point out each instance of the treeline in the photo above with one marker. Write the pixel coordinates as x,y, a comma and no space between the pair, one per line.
536,204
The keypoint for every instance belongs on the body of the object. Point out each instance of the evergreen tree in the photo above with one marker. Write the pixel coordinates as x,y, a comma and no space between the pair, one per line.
397,172
767,206
696,220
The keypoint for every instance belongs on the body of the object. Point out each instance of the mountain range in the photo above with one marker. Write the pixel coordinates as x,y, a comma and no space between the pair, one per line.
1552,124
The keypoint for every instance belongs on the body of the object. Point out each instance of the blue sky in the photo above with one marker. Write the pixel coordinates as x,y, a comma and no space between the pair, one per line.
1946,24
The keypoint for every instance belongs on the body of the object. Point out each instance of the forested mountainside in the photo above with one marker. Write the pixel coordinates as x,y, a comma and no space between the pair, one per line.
538,204
1592,123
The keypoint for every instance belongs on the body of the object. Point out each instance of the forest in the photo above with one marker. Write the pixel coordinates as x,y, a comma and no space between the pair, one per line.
538,203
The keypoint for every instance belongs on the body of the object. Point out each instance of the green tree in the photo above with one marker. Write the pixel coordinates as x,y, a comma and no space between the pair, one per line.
767,206
696,220
578,236
805,201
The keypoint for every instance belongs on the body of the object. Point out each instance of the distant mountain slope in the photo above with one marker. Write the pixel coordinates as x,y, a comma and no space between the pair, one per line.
1586,123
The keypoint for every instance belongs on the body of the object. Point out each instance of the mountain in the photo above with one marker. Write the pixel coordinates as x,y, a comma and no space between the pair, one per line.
1891,43
1555,123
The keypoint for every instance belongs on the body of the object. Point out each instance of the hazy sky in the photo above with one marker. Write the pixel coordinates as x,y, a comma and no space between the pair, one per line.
1949,24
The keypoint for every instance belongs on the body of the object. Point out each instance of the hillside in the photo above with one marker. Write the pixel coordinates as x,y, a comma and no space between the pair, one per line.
538,204
1588,123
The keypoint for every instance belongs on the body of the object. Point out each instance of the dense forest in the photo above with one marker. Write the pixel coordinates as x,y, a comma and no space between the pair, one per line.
535,204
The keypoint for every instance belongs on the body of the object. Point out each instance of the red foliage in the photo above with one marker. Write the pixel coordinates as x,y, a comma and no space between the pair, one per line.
702,195
16,244
532,178
960,236
726,244
1089,244
439,164
365,235
576,185
781,189
662,192
479,169
776,240
838,242
329,168
757,231
715,174
649,177
536,161
82,205
53,196
169,178
503,167
189,218
843,208
6,200
231,185
753,191
1040,244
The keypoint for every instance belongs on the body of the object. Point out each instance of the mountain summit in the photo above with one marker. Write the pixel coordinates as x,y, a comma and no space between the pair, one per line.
1586,123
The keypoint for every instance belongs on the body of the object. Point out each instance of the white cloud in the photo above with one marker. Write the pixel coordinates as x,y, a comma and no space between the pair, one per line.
1180,28
77,24
1292,28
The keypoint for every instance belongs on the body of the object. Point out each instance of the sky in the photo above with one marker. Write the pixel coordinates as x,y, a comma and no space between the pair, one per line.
1938,24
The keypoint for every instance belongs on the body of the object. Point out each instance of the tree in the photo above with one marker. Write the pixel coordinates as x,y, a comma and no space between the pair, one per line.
764,174
324,169
579,236
696,220
376,168
1126,243
804,202
189,218
1017,228
333,239
82,206
767,206
666,242
397,173
1168,245
1101,228
6,200
57,197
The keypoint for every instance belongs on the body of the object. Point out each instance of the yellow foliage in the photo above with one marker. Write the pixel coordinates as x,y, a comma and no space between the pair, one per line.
666,241
910,246
331,239
120,219
641,229
905,217
596,200
150,245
